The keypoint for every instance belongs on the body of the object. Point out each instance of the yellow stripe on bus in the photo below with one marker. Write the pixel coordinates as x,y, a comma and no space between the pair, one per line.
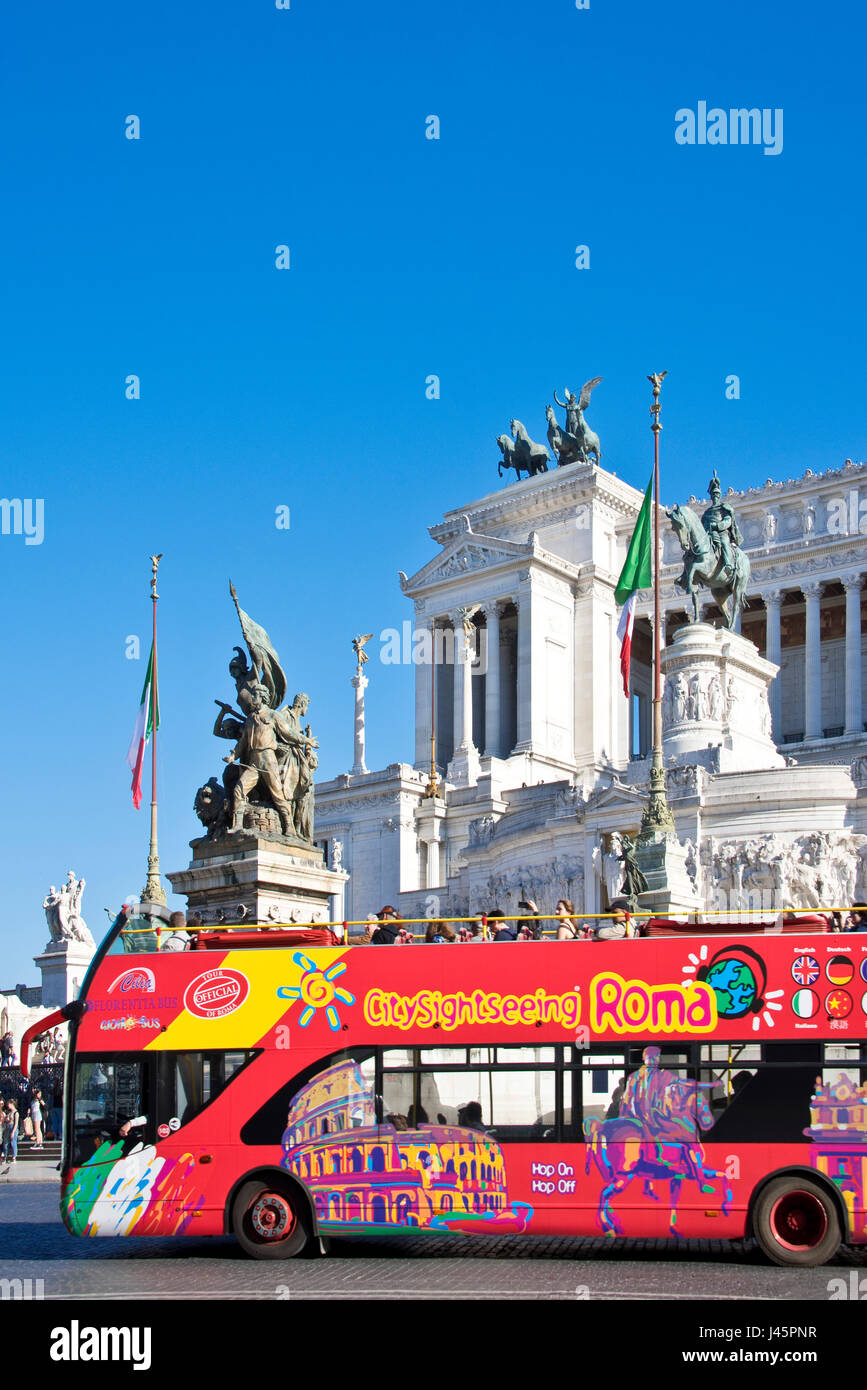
266,972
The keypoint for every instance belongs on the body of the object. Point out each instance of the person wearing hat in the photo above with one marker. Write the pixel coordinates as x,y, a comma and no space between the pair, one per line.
389,926
617,927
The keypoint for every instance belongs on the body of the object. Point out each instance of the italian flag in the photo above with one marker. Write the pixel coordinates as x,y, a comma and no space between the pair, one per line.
635,575
147,722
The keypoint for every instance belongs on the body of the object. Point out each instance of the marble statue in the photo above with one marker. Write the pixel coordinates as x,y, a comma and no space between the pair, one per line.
337,854
812,870
612,866
769,528
713,555
63,911
695,707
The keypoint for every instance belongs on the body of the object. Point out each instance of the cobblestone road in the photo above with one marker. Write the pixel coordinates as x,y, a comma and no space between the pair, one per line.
34,1244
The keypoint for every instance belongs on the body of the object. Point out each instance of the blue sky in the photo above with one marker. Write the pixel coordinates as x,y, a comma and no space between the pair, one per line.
306,387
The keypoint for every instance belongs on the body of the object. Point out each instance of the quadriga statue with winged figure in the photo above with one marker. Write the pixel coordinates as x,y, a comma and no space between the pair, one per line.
574,444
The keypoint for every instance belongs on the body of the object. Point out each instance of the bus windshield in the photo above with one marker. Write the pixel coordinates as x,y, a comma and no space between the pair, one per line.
107,1094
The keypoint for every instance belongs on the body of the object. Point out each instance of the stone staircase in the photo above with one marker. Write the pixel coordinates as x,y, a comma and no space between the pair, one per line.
49,1153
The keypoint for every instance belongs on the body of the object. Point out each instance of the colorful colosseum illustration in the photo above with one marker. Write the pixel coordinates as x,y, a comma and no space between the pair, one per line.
361,1174
838,1128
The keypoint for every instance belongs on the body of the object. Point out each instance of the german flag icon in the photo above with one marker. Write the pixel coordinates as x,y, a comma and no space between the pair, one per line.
839,970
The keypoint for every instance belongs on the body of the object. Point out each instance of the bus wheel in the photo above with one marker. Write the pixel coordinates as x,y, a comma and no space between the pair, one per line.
269,1221
796,1223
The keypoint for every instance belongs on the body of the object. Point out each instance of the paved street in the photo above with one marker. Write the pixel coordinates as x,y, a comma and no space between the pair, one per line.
34,1244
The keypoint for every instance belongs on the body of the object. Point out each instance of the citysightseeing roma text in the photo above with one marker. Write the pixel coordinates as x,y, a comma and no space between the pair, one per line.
624,1006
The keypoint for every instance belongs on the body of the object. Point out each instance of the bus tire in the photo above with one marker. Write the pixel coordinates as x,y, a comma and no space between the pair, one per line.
796,1222
269,1220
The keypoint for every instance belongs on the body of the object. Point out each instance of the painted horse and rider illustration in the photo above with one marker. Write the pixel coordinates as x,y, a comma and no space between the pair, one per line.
712,554
655,1137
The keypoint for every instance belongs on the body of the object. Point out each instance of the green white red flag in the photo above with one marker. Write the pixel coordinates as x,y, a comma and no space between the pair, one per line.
147,721
635,576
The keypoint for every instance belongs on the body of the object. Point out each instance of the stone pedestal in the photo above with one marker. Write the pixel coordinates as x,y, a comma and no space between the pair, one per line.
64,966
465,768
670,890
256,878
715,710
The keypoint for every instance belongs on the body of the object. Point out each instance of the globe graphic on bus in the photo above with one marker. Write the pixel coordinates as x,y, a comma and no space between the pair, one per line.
735,987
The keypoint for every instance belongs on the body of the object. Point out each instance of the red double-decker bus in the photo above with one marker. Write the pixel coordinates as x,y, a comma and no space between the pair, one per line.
285,1090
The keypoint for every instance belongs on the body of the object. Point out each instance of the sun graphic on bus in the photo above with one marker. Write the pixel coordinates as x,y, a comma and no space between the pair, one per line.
738,978
317,990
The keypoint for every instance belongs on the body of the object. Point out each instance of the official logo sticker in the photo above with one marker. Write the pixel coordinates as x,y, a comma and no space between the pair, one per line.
216,993
174,1123
163,1131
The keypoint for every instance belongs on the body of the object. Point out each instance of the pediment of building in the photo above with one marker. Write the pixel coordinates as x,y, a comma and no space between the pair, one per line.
465,554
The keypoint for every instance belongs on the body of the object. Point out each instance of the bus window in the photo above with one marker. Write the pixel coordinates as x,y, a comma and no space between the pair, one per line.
508,1092
191,1080
269,1124
761,1098
106,1094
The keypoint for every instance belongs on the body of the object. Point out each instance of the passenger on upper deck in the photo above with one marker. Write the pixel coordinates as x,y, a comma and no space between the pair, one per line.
529,928
858,918
389,926
570,929
439,932
499,930
178,938
615,928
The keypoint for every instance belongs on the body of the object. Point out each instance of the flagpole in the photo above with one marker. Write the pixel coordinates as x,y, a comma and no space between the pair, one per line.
153,891
657,815
432,788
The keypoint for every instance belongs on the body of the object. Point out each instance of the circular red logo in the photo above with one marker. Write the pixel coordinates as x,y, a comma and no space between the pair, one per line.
216,993
163,1131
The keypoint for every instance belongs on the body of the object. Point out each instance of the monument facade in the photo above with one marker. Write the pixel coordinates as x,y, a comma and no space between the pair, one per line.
539,757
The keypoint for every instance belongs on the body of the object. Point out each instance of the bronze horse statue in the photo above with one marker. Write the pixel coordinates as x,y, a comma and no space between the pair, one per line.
704,565
523,453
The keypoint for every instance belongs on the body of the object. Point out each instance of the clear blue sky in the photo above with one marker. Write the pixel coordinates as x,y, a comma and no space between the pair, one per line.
306,387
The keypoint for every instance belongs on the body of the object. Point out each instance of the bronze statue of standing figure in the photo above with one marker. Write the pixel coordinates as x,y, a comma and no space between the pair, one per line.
268,782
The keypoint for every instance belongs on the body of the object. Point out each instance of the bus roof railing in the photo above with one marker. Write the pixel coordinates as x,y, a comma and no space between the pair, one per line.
773,920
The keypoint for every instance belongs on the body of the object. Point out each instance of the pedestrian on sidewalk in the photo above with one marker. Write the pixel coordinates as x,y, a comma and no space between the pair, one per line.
36,1115
9,1132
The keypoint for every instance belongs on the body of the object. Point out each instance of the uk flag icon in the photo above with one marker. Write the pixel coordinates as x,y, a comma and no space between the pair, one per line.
805,970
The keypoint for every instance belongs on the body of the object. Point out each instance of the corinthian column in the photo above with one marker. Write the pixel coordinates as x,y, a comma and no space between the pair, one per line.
854,712
359,683
773,651
492,682
812,664
463,688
